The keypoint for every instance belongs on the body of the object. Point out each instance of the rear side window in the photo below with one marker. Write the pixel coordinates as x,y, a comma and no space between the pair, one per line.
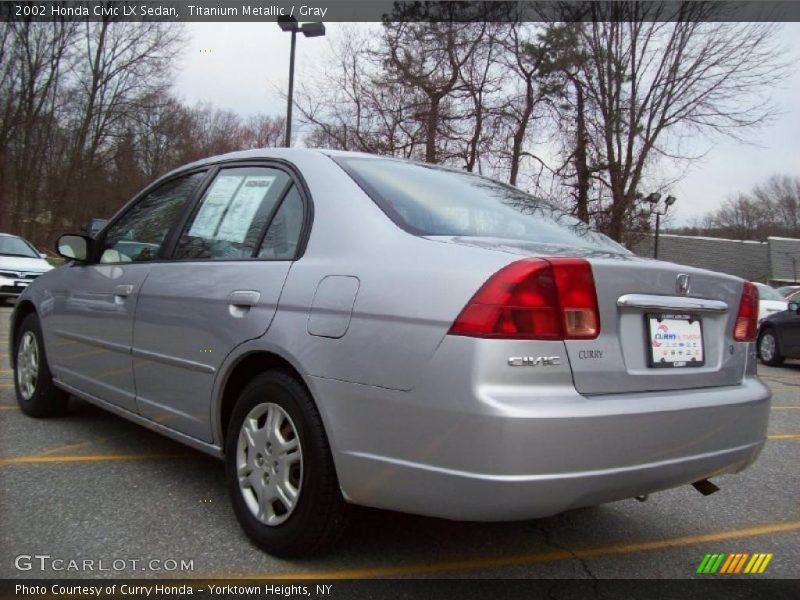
230,218
430,200
283,234
138,234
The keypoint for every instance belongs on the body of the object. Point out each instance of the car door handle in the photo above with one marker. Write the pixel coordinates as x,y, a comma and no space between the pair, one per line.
244,298
123,290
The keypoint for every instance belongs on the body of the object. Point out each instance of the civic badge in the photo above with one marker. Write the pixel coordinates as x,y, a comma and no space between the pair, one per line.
682,284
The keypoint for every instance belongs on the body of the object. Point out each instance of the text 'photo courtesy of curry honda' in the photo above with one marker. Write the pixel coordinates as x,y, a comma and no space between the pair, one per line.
343,329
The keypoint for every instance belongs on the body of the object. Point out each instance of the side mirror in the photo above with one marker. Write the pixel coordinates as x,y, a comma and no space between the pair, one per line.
74,246
794,307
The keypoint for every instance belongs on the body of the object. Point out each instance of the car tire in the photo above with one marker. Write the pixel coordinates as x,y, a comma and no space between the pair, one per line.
768,349
37,395
273,414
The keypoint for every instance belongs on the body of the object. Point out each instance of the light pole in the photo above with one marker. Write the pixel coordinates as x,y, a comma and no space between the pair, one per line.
309,30
654,199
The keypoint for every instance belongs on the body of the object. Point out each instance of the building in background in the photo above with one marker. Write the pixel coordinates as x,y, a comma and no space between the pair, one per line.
775,261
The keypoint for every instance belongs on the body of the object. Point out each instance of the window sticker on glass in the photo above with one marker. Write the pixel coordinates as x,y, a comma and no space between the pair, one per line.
237,219
214,204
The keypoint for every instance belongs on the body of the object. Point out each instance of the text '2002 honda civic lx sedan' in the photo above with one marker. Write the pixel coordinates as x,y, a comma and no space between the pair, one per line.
349,329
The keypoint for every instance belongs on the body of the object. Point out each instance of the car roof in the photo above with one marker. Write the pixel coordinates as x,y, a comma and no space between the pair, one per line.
280,153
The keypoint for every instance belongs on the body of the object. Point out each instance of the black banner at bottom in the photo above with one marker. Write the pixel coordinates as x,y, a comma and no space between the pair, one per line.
463,589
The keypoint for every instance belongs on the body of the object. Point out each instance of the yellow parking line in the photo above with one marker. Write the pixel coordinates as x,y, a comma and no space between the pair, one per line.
6,385
58,449
9,407
785,407
785,436
472,564
40,458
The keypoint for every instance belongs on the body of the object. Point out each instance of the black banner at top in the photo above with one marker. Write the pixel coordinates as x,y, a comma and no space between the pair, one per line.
401,10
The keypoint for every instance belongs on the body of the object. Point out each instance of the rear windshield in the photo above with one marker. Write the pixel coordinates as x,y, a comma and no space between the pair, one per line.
767,293
429,200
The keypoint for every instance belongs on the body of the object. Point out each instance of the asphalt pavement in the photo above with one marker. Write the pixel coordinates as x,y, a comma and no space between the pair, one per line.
92,487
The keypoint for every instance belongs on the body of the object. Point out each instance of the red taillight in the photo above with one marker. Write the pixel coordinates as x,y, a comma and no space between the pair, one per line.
747,318
534,299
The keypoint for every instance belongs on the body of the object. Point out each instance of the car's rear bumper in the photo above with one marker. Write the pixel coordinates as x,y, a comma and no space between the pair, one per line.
501,455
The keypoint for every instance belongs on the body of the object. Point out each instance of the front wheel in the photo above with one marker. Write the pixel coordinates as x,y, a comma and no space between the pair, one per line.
280,471
768,349
37,395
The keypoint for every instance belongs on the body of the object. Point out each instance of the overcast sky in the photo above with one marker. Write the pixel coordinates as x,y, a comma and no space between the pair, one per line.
244,66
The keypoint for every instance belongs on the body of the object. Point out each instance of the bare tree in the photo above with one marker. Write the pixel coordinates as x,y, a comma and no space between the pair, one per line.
771,208
350,105
263,131
32,59
427,59
120,63
781,193
650,75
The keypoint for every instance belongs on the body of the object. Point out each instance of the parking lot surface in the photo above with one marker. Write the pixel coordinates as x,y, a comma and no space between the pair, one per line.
93,487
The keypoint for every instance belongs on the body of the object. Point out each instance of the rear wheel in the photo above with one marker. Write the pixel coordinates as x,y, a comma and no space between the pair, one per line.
37,395
768,349
280,471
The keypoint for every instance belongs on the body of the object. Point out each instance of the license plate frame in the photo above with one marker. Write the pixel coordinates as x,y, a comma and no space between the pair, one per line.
688,342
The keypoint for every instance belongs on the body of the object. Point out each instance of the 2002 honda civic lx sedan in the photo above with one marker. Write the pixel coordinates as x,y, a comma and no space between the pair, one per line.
349,329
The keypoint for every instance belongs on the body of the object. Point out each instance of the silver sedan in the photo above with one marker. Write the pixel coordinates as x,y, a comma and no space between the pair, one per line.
348,329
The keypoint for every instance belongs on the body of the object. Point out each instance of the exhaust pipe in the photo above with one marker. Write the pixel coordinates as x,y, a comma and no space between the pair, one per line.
642,498
705,487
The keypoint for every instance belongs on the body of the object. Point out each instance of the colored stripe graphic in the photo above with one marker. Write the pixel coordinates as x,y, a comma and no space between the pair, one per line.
733,559
718,562
738,562
727,564
767,558
752,563
703,563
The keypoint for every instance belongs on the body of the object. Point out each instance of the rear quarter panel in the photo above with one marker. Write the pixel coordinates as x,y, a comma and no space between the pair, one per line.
409,292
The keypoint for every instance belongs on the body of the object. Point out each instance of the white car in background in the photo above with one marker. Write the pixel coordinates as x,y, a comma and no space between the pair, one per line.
20,263
769,301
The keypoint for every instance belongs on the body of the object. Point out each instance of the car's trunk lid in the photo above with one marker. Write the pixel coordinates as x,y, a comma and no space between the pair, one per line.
628,289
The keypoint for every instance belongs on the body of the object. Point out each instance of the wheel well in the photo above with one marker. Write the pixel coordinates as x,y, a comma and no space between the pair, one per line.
21,311
242,374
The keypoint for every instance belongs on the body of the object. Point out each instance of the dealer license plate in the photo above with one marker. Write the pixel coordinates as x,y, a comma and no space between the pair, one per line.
675,341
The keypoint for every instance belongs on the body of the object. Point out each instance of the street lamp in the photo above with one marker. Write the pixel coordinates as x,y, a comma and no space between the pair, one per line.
308,30
654,199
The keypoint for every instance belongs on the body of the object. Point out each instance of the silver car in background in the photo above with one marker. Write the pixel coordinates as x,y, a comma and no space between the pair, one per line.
20,264
348,329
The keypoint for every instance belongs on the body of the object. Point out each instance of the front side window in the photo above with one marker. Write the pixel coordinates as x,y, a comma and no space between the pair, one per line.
138,235
230,219
429,200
